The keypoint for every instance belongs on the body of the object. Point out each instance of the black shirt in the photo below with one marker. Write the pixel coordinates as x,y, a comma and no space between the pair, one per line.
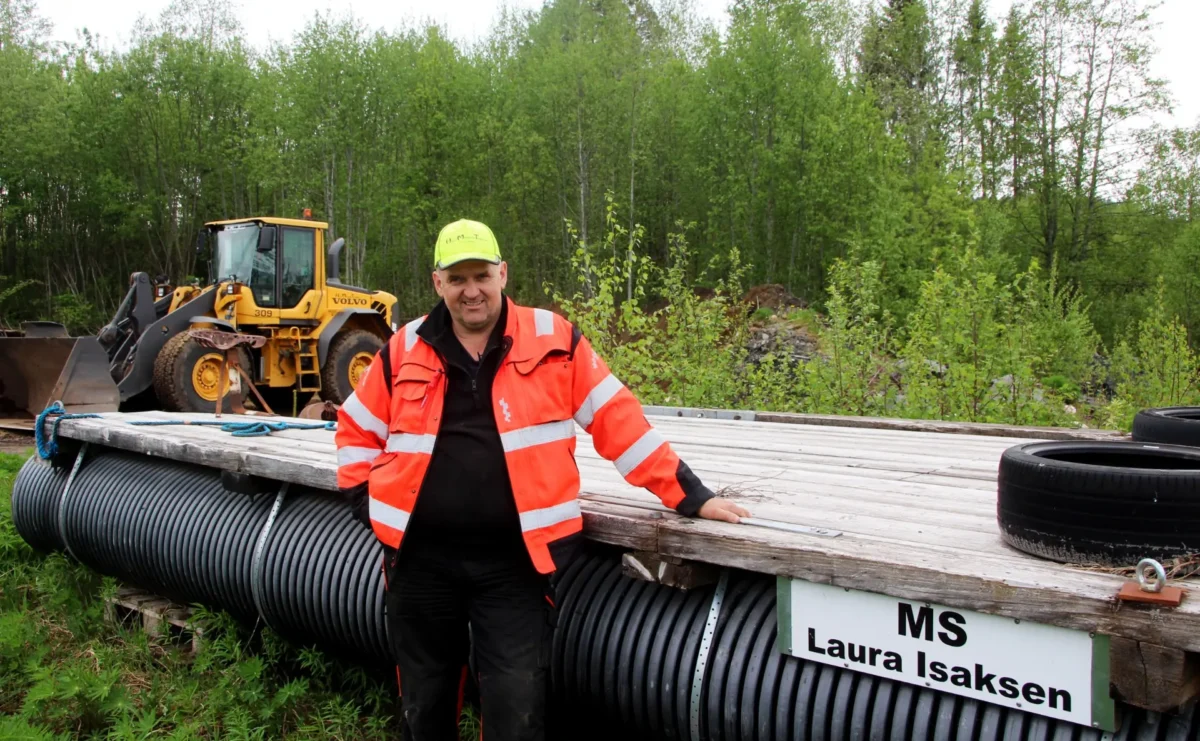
466,502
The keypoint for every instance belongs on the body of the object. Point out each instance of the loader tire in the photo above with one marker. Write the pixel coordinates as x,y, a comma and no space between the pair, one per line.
349,355
186,377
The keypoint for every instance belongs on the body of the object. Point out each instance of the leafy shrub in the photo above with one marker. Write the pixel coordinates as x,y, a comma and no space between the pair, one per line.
762,314
606,306
1063,386
12,295
77,314
854,375
703,341
688,352
975,347
1061,340
1156,367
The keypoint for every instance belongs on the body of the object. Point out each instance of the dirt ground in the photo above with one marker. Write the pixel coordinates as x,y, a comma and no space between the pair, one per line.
11,442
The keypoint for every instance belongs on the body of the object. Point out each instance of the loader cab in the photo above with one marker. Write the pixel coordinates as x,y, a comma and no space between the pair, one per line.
276,261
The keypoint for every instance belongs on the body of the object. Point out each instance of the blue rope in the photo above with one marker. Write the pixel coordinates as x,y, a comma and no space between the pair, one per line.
48,447
257,428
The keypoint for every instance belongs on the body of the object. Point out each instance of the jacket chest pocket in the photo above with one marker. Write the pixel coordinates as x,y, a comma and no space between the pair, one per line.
546,387
413,394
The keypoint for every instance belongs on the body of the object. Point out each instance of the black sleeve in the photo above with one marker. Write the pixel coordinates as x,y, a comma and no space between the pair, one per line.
695,493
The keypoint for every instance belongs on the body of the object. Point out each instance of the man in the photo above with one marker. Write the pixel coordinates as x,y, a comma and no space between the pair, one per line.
458,444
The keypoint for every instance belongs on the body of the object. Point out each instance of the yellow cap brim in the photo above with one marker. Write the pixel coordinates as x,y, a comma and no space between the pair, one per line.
454,260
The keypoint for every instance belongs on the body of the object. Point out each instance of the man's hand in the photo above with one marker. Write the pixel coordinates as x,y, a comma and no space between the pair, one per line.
724,510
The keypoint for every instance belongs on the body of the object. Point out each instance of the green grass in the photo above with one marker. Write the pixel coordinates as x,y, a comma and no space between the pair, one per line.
807,320
65,673
762,314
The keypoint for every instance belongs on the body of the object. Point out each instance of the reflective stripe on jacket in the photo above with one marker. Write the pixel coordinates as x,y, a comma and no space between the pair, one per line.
550,380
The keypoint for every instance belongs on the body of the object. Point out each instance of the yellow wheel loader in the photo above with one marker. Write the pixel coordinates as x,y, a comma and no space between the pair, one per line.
269,277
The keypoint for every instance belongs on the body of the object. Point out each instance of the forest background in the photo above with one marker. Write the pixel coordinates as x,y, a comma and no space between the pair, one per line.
975,218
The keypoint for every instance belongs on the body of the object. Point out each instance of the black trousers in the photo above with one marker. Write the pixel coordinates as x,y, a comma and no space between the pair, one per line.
432,597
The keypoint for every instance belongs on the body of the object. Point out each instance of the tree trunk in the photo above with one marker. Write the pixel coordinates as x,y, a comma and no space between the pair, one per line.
632,170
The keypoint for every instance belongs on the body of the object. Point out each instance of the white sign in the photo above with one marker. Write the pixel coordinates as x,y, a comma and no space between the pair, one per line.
1040,669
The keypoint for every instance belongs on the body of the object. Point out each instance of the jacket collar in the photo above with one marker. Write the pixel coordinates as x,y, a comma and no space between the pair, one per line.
514,329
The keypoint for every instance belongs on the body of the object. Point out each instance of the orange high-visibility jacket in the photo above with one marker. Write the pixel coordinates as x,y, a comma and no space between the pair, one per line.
548,381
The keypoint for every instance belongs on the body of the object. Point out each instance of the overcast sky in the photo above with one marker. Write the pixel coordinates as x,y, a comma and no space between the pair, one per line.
266,20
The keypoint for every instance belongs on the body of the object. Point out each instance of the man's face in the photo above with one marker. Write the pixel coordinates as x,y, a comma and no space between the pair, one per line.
471,291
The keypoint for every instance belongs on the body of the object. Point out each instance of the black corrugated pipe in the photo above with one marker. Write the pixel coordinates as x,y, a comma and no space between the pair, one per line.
625,652
172,528
628,650
35,498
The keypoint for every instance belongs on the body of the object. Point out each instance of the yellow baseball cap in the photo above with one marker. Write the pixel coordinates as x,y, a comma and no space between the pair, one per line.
465,240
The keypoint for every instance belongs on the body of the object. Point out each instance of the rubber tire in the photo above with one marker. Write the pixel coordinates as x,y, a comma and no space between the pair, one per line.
173,377
335,371
1169,425
1113,514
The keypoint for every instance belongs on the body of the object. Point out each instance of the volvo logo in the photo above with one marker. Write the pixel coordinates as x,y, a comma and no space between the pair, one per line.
350,301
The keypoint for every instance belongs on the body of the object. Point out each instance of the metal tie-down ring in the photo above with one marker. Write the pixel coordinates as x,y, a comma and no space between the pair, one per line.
1160,574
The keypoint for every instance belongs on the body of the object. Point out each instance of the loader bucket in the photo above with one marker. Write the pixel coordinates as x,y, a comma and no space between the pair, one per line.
37,371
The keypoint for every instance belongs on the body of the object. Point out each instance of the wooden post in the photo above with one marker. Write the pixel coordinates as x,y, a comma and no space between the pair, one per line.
1153,677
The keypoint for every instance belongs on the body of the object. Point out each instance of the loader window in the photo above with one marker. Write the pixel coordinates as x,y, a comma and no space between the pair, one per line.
235,252
238,257
299,259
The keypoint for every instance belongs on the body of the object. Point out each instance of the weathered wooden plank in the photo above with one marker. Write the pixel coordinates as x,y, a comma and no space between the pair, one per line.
888,436
1153,677
308,471
622,526
863,466
763,446
266,445
965,542
783,485
766,430
913,455
900,434
954,428
248,455
962,484
314,441
802,465
276,446
771,455
971,531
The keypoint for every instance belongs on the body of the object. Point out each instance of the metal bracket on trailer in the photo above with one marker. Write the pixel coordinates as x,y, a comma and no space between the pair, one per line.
821,532
1153,591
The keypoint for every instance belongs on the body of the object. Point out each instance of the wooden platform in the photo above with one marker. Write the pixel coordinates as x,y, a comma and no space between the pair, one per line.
917,510
159,617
